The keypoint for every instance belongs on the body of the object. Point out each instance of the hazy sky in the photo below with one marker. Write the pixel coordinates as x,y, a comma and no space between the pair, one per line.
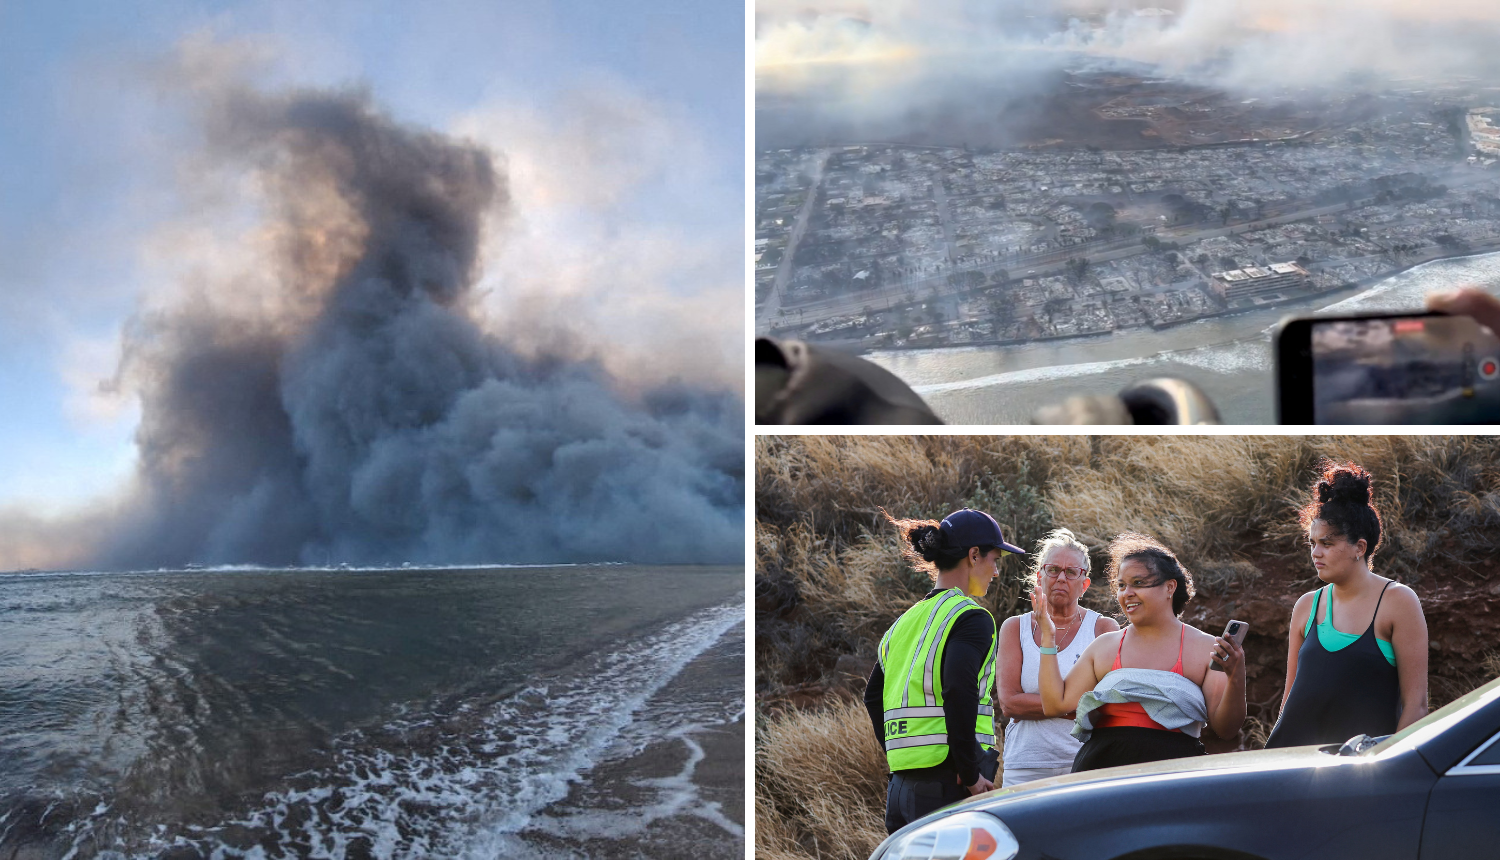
621,127
1271,43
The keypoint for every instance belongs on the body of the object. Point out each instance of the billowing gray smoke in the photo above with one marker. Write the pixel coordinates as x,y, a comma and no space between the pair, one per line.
990,72
360,413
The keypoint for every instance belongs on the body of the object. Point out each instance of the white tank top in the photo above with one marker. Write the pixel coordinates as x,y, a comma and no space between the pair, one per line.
1045,743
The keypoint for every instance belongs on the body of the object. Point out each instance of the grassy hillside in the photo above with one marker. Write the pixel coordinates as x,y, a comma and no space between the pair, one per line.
830,580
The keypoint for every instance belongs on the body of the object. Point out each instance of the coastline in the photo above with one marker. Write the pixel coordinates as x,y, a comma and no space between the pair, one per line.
673,785
658,803
1229,358
1353,289
421,728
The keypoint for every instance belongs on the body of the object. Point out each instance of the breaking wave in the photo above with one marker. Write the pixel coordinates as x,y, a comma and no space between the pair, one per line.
470,779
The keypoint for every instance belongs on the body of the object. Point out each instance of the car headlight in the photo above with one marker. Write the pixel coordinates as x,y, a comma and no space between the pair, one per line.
964,836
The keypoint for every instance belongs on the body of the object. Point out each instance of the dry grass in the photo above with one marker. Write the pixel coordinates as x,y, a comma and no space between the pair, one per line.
829,565
1257,731
837,483
1202,495
829,579
825,557
819,785
1445,686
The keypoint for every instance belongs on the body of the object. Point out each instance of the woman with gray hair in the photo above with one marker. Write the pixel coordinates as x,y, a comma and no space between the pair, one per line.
1129,708
1038,746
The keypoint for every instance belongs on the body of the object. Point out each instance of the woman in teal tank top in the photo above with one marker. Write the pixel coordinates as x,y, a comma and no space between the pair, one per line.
1339,683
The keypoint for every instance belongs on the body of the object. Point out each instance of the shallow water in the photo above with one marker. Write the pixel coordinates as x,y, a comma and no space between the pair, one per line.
1228,357
380,713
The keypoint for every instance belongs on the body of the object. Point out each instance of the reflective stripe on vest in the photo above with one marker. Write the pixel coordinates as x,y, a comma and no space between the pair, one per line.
925,740
936,711
916,741
916,732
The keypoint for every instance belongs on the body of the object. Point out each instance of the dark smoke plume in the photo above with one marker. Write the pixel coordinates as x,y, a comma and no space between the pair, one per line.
359,412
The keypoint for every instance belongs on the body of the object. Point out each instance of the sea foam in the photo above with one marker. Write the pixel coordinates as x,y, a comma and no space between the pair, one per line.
470,783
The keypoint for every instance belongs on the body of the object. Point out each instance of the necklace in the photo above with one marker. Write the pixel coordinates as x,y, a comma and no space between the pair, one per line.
1058,635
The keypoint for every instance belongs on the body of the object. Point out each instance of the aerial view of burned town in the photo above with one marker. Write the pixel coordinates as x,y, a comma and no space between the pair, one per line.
1117,199
1233,208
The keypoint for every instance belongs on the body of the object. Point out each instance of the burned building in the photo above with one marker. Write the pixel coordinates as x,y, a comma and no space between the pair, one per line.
1258,282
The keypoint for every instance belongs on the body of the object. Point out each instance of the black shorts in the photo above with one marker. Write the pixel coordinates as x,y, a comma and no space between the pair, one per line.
909,798
1120,745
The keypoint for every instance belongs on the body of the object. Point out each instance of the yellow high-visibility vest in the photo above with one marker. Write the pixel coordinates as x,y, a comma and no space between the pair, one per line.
911,656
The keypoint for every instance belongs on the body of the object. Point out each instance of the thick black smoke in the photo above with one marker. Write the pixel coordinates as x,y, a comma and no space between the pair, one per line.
358,412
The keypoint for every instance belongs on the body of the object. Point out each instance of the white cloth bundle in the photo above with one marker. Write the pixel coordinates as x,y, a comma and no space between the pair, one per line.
1167,697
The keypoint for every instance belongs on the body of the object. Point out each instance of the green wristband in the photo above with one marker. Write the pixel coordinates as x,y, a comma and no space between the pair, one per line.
1049,650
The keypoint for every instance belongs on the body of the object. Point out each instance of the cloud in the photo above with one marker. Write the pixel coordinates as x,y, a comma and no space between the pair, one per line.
623,240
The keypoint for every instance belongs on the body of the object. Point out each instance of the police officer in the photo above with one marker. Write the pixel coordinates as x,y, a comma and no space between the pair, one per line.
930,697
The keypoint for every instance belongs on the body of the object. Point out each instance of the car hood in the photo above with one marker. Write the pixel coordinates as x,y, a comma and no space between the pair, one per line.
1307,756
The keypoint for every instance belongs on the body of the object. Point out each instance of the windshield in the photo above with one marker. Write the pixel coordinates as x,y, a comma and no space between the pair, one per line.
1010,204
1435,717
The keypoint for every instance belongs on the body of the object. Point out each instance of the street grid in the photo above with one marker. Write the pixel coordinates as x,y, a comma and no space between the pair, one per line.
888,246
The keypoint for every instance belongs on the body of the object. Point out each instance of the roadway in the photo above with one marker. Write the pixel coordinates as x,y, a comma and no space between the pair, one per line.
771,309
945,217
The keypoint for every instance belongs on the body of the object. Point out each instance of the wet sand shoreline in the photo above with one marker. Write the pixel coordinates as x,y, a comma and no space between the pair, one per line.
678,794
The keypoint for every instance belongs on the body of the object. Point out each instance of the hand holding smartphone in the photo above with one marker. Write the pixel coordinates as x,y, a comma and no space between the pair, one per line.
1385,368
1234,631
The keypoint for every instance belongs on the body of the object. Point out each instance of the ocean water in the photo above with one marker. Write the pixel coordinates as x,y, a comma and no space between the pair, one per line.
1228,357
589,711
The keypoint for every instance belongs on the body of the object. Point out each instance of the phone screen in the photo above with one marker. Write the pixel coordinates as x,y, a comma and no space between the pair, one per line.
1404,370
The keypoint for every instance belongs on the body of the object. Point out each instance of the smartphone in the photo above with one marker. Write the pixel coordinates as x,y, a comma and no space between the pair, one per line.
1235,631
1387,368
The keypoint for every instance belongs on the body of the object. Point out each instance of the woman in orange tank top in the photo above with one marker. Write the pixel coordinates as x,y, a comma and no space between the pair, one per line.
1152,588
1131,713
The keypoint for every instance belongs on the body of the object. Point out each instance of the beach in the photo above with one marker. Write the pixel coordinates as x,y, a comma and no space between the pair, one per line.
574,711
674,785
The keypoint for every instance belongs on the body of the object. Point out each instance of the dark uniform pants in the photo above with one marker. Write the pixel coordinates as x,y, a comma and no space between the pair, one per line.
908,799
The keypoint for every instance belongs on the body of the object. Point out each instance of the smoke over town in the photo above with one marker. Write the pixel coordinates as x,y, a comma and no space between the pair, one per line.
341,399
977,72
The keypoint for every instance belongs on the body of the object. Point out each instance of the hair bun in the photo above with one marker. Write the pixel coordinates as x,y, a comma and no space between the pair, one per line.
1342,501
1345,485
925,540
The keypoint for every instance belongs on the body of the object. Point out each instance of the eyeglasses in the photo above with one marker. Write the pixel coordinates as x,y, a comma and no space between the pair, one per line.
1053,571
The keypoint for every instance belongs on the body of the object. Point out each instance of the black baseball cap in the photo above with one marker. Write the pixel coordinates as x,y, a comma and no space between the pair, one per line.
969,527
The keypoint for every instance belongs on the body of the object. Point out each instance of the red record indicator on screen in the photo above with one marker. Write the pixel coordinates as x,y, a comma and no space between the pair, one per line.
1408,326
1489,368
